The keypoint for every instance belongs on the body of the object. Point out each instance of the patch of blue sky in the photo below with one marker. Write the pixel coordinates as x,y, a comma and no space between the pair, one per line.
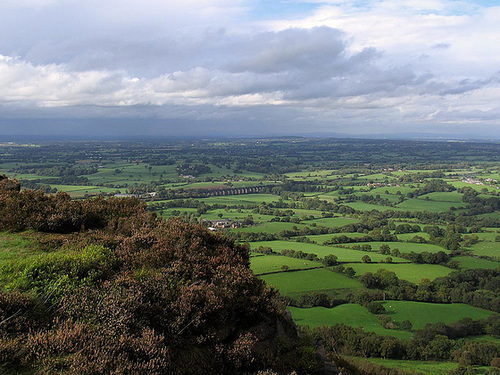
486,3
270,9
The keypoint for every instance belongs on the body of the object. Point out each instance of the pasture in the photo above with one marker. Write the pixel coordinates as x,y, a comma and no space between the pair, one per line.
429,206
404,247
270,227
298,282
452,196
414,367
473,263
343,254
489,249
422,313
409,271
275,263
332,222
350,314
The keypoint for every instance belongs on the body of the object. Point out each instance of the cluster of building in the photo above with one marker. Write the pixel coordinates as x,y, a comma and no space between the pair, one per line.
221,224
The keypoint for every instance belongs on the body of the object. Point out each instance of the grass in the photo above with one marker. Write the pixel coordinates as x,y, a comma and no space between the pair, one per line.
460,184
490,249
14,249
429,206
410,272
274,263
344,255
350,314
168,212
298,282
15,246
392,190
320,238
361,206
274,227
488,236
332,222
409,236
376,177
453,197
473,263
422,313
413,367
390,197
244,199
404,247
77,191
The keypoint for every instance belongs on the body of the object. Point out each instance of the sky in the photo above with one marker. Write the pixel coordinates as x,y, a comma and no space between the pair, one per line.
250,68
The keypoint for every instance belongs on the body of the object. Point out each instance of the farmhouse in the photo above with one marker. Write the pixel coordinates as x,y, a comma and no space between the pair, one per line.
221,224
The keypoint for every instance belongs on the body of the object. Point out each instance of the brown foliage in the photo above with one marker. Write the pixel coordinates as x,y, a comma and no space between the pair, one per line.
28,209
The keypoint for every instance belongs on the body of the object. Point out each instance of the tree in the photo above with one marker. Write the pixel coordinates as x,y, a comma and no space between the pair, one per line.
366,259
385,249
406,325
349,271
330,260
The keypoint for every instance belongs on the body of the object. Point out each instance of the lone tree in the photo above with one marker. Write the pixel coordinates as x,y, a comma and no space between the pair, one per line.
366,259
330,260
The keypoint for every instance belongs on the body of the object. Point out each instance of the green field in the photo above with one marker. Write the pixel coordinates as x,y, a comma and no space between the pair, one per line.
320,238
429,206
488,236
411,272
390,197
409,236
422,313
332,222
344,255
297,282
453,197
243,200
392,190
80,191
376,177
274,263
404,247
361,206
268,227
490,249
472,263
350,314
414,367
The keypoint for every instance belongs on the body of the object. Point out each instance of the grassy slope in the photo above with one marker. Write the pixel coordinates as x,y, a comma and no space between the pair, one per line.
415,367
349,314
273,263
344,255
471,263
410,272
293,283
421,313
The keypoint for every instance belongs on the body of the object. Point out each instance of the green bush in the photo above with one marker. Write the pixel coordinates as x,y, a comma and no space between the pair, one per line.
54,274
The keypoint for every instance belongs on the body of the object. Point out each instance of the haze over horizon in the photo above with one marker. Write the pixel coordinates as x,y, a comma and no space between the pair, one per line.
250,68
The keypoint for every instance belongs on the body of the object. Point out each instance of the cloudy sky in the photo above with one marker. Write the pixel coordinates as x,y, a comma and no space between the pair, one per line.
241,67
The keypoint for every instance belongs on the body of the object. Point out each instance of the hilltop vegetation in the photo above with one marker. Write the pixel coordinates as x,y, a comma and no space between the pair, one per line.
130,293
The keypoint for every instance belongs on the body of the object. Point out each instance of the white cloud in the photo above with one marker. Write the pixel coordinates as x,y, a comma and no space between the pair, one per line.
412,62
